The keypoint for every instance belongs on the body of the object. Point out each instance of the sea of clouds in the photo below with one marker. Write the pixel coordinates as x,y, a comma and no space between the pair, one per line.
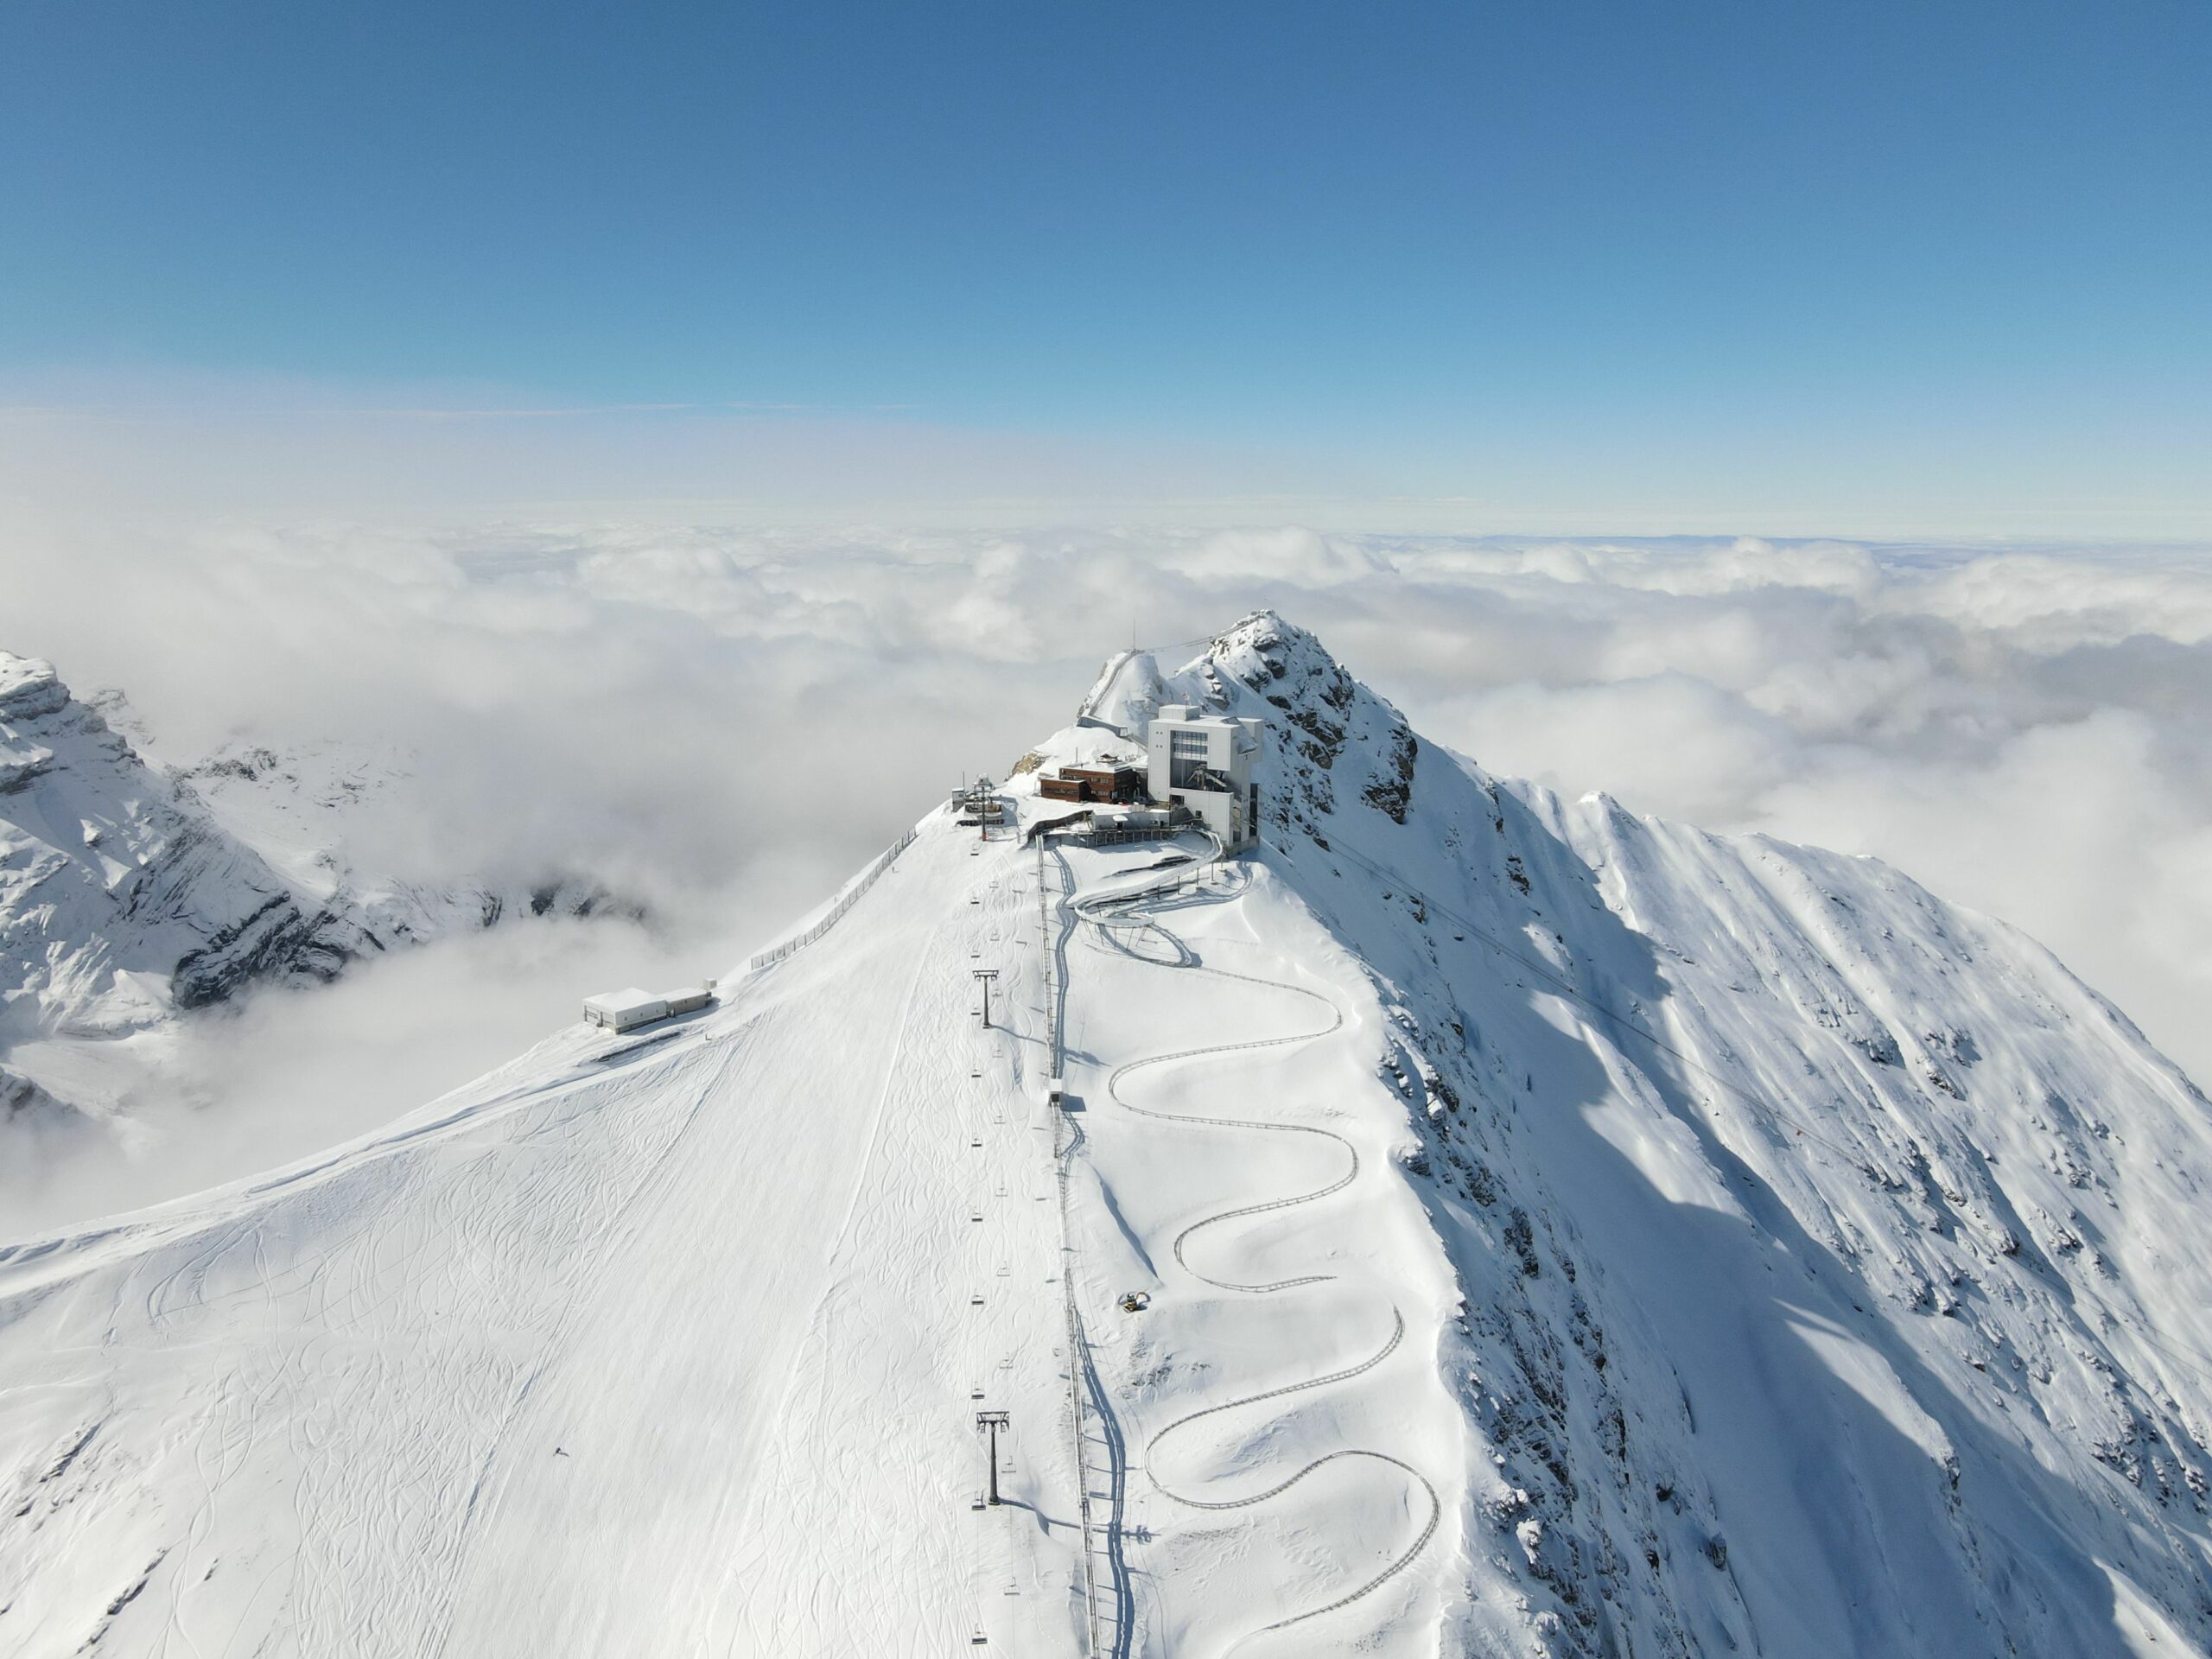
722,723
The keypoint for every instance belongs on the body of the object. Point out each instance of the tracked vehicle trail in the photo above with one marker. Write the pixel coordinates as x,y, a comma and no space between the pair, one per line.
1130,909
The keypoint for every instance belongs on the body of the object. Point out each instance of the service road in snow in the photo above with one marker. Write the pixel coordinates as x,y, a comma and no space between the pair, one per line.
1277,1409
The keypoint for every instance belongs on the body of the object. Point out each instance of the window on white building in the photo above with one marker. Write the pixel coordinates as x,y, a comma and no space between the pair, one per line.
1186,760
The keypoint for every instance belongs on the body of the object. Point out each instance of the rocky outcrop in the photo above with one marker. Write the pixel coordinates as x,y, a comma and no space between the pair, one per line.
20,1098
118,901
1737,1146
1332,738
128,894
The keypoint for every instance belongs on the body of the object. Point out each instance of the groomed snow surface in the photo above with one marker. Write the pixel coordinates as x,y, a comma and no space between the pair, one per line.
674,1342
1548,1231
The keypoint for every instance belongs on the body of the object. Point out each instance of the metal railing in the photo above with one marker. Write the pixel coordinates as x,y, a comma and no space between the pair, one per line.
850,897
1117,837
1078,1342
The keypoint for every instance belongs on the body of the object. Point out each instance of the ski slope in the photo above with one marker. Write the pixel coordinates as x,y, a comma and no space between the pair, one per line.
1279,1412
660,1345
1479,1223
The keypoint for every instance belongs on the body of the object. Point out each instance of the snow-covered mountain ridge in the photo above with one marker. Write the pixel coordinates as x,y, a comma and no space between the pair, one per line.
1480,1224
1915,1215
118,901
130,892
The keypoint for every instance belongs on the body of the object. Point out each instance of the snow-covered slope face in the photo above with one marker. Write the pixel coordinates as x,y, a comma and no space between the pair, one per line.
301,808
120,901
1836,1263
131,892
1476,1223
658,1344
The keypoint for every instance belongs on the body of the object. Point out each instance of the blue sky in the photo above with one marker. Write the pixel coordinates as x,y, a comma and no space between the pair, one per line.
1709,259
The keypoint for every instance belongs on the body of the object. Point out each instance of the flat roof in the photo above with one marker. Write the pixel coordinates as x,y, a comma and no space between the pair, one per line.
622,1001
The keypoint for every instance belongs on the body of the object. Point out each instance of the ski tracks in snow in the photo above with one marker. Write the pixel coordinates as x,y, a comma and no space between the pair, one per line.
1106,912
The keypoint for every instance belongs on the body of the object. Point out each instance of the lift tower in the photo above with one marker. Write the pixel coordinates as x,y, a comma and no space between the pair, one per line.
989,1422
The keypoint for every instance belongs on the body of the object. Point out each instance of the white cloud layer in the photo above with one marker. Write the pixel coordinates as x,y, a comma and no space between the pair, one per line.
725,721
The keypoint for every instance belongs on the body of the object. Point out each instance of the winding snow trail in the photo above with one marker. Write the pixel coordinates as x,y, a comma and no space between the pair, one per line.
1130,908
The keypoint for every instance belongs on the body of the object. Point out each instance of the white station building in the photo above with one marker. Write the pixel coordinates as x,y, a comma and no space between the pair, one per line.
1206,763
624,1010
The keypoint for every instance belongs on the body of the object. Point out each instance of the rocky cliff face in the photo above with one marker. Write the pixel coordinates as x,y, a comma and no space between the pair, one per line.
130,894
121,900
1834,1261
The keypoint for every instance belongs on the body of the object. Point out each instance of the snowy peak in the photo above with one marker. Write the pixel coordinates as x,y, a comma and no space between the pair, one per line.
128,896
118,900
302,807
30,696
37,714
1833,1260
1330,739
1470,1222
1334,739
28,686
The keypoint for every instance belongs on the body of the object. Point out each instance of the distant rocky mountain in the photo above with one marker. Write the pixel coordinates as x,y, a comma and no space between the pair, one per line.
131,893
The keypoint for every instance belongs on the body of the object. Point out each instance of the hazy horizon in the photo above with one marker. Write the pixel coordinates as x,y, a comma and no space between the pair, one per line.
679,712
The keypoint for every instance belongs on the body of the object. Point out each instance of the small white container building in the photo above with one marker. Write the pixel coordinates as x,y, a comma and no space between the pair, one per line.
621,1010
1206,763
